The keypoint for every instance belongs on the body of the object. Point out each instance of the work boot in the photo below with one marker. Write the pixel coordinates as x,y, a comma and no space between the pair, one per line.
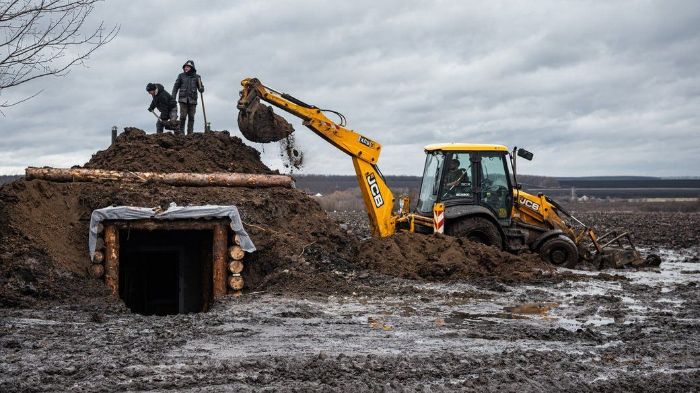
190,125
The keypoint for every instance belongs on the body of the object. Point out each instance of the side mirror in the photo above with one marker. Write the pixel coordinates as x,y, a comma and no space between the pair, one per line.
525,154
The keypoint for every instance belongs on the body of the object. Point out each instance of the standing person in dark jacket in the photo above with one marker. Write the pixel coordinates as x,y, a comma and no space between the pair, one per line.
187,85
164,102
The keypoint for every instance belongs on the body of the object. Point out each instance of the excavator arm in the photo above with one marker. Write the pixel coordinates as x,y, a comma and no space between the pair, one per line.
364,152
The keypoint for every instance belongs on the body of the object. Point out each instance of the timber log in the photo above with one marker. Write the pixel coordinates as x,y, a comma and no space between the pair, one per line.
218,179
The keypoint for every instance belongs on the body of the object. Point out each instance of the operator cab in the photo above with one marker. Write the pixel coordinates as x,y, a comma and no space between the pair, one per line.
464,175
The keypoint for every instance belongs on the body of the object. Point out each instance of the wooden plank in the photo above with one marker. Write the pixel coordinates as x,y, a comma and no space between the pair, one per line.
219,250
170,225
111,270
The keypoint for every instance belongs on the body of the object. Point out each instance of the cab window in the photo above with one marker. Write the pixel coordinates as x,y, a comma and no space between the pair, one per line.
494,183
456,182
430,184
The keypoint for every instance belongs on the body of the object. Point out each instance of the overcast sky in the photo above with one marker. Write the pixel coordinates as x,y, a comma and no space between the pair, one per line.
591,87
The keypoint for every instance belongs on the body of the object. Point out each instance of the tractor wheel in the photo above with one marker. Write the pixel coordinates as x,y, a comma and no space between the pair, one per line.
559,251
477,229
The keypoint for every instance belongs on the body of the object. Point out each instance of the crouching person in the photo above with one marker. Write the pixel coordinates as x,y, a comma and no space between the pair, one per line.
164,102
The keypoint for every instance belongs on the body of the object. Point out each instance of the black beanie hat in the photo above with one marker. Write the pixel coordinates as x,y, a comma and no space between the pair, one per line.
150,87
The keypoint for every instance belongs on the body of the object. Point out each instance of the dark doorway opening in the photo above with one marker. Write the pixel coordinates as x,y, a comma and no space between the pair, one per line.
164,272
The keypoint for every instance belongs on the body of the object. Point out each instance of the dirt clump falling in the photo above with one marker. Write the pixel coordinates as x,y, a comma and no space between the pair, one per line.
292,157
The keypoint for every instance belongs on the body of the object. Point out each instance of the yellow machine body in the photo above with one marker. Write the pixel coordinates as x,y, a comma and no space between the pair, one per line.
534,220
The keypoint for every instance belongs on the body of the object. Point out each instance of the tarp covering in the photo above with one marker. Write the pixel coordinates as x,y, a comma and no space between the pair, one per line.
174,212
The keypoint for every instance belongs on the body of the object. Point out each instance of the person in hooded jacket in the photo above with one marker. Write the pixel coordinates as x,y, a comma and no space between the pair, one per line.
164,102
186,87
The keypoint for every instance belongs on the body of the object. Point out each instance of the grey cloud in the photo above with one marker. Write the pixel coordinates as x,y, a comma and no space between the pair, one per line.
593,88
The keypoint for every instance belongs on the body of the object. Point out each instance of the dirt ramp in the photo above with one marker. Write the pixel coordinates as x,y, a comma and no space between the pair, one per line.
205,152
440,258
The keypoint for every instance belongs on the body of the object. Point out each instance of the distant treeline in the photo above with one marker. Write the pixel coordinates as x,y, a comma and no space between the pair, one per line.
7,179
326,184
627,182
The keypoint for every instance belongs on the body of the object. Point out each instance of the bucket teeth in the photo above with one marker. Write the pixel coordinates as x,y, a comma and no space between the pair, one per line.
616,258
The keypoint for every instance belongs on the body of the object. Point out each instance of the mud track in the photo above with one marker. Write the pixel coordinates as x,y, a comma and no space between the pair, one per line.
628,331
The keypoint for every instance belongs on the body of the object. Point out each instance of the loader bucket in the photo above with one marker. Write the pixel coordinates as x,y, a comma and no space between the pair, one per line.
258,123
619,251
618,258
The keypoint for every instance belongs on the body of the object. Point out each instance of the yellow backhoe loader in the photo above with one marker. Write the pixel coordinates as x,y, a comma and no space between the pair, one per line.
467,190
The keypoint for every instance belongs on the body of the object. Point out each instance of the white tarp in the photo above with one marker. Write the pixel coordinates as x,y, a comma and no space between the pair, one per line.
173,212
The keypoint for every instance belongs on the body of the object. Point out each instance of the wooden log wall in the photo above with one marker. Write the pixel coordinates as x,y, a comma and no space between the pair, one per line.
111,270
227,261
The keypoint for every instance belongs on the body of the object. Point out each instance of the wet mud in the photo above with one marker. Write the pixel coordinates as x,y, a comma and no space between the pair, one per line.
636,332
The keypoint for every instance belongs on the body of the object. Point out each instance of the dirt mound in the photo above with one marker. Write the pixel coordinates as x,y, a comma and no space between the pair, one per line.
439,258
44,234
205,152
44,225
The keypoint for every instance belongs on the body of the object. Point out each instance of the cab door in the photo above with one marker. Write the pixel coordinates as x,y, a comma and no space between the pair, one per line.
494,184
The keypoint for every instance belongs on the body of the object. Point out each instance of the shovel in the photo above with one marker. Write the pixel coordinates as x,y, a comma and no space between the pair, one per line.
207,126
172,125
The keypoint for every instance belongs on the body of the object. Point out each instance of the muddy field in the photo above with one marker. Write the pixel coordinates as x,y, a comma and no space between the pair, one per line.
566,331
325,308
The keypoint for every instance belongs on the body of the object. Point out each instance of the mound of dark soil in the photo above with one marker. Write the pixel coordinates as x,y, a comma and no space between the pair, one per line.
44,237
44,225
205,152
439,258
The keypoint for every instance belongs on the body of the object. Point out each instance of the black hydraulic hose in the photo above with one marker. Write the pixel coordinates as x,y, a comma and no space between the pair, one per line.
561,209
297,101
343,120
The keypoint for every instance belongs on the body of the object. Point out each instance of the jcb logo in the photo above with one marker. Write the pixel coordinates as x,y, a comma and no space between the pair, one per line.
366,141
374,190
532,205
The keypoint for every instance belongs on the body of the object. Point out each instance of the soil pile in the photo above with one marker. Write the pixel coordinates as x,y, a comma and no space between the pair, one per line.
44,225
205,152
440,258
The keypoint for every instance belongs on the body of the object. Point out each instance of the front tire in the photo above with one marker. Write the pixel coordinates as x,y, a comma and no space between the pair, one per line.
478,229
560,251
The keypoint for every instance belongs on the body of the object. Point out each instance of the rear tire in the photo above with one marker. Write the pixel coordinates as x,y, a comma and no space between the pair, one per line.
477,229
560,251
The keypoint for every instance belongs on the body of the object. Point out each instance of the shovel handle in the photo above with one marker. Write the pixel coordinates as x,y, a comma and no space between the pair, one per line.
204,110
157,117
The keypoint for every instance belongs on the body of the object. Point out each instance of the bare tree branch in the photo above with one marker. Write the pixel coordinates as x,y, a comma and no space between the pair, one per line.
40,38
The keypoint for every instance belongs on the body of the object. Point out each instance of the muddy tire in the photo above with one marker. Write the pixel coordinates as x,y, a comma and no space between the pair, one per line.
559,251
478,229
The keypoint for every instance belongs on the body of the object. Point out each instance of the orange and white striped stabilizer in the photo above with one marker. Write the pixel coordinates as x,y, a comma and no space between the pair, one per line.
439,218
